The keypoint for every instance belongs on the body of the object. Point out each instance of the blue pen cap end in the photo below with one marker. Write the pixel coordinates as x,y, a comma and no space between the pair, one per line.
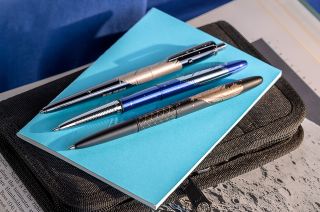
235,66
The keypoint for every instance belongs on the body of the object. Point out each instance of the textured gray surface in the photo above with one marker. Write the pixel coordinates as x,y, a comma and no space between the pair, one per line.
290,183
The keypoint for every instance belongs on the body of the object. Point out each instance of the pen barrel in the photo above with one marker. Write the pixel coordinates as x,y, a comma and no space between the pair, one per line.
170,112
111,133
155,93
227,91
219,93
204,76
190,55
109,87
197,102
157,117
207,98
197,52
151,72
107,109
106,88
172,87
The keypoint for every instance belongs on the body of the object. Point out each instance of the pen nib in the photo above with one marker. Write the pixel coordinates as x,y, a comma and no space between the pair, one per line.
46,109
72,147
56,129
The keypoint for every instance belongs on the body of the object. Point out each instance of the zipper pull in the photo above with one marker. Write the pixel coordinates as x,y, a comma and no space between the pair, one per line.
198,200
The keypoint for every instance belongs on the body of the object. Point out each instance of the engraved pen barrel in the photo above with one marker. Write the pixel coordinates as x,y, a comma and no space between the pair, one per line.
168,113
143,122
197,102
173,111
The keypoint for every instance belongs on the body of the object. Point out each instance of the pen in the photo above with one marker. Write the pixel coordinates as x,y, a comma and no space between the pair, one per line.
173,111
172,64
157,92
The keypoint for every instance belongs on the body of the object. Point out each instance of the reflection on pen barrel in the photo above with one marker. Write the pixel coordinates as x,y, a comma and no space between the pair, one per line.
151,72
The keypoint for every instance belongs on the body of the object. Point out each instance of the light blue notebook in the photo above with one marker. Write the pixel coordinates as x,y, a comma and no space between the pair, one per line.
151,164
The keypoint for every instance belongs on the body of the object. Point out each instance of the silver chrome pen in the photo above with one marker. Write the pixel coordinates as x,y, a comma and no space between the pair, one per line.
172,64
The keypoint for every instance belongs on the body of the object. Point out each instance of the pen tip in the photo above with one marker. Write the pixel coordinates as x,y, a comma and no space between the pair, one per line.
62,127
49,108
72,147
56,129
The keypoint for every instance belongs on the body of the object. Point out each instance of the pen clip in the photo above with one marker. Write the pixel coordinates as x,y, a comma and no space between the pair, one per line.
197,52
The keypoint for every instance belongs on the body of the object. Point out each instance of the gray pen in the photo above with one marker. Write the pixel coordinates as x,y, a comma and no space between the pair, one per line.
173,111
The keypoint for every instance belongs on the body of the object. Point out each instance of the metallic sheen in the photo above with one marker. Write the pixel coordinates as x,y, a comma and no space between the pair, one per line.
219,94
104,110
109,87
151,72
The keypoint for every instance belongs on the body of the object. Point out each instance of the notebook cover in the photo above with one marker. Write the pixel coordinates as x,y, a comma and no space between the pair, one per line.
151,164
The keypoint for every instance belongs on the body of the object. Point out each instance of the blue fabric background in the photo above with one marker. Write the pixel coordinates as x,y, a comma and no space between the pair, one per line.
40,38
315,4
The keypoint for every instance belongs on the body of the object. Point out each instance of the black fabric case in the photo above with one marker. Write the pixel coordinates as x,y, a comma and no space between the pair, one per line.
270,130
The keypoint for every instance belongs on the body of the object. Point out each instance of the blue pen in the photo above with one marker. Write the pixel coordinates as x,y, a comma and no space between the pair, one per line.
157,92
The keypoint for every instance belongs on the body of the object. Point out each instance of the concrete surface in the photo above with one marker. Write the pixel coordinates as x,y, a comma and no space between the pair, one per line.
290,183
